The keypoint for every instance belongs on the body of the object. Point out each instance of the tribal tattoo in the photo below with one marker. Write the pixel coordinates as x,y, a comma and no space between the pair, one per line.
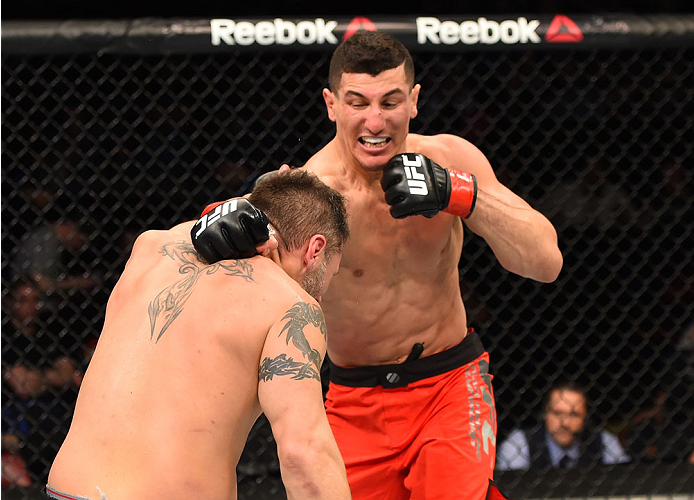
281,365
168,303
298,316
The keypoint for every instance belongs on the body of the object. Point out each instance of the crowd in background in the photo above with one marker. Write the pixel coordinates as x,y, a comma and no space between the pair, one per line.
89,170
56,295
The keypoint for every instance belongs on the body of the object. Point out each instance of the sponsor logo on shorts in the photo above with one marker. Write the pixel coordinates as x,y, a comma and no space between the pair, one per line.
279,31
483,30
481,410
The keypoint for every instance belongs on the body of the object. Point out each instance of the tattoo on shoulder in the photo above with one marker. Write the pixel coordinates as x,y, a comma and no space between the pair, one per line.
168,303
298,317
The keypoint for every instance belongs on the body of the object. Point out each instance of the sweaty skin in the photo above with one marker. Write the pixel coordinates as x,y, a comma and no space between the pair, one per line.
398,283
189,356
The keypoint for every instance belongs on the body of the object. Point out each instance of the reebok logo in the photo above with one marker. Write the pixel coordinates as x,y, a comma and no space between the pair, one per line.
279,32
486,31
563,29
357,23
415,180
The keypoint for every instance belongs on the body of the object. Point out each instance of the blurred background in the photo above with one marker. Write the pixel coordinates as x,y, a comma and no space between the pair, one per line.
83,9
99,146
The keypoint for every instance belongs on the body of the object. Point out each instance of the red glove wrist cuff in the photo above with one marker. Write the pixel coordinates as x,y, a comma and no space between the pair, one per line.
211,207
463,194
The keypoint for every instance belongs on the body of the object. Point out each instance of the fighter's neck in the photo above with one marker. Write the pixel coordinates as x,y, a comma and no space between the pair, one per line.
344,165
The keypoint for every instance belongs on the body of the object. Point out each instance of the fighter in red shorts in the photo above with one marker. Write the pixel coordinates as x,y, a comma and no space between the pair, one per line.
410,400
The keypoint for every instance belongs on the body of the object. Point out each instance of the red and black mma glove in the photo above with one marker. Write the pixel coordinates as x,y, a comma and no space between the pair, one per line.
416,185
229,229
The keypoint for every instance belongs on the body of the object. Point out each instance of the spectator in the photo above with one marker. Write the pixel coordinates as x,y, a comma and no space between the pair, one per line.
663,432
594,198
14,471
566,440
50,255
50,246
39,377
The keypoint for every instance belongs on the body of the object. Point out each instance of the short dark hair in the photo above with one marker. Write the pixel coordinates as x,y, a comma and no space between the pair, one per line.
370,52
300,205
570,385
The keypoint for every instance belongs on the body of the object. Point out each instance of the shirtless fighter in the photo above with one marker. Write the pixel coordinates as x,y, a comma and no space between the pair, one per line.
410,399
192,353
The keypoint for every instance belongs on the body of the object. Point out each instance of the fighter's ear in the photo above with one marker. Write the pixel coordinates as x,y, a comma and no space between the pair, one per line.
330,103
316,246
414,98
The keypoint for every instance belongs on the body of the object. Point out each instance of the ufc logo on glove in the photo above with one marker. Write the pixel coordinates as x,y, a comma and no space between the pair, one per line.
416,185
230,229
415,179
210,217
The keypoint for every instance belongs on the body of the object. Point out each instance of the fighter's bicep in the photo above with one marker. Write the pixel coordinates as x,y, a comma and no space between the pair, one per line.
289,370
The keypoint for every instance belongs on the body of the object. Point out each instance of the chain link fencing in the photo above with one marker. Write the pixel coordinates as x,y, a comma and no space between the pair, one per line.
97,148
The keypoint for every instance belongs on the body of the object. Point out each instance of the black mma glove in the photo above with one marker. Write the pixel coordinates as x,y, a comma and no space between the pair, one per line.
415,185
229,230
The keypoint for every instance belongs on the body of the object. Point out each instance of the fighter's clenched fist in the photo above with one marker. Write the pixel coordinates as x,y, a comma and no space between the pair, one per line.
230,229
416,185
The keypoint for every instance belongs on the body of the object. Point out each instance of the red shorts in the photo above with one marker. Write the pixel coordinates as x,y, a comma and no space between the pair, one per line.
434,438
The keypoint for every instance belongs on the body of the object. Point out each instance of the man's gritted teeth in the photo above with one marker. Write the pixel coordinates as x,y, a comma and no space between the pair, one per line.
374,142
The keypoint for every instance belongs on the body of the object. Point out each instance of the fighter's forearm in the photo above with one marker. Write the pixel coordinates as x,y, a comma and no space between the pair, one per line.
522,239
314,473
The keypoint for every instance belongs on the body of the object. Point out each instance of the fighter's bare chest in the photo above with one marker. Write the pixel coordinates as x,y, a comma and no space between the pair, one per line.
377,240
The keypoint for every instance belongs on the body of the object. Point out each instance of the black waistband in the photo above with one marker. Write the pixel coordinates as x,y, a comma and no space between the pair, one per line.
401,374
